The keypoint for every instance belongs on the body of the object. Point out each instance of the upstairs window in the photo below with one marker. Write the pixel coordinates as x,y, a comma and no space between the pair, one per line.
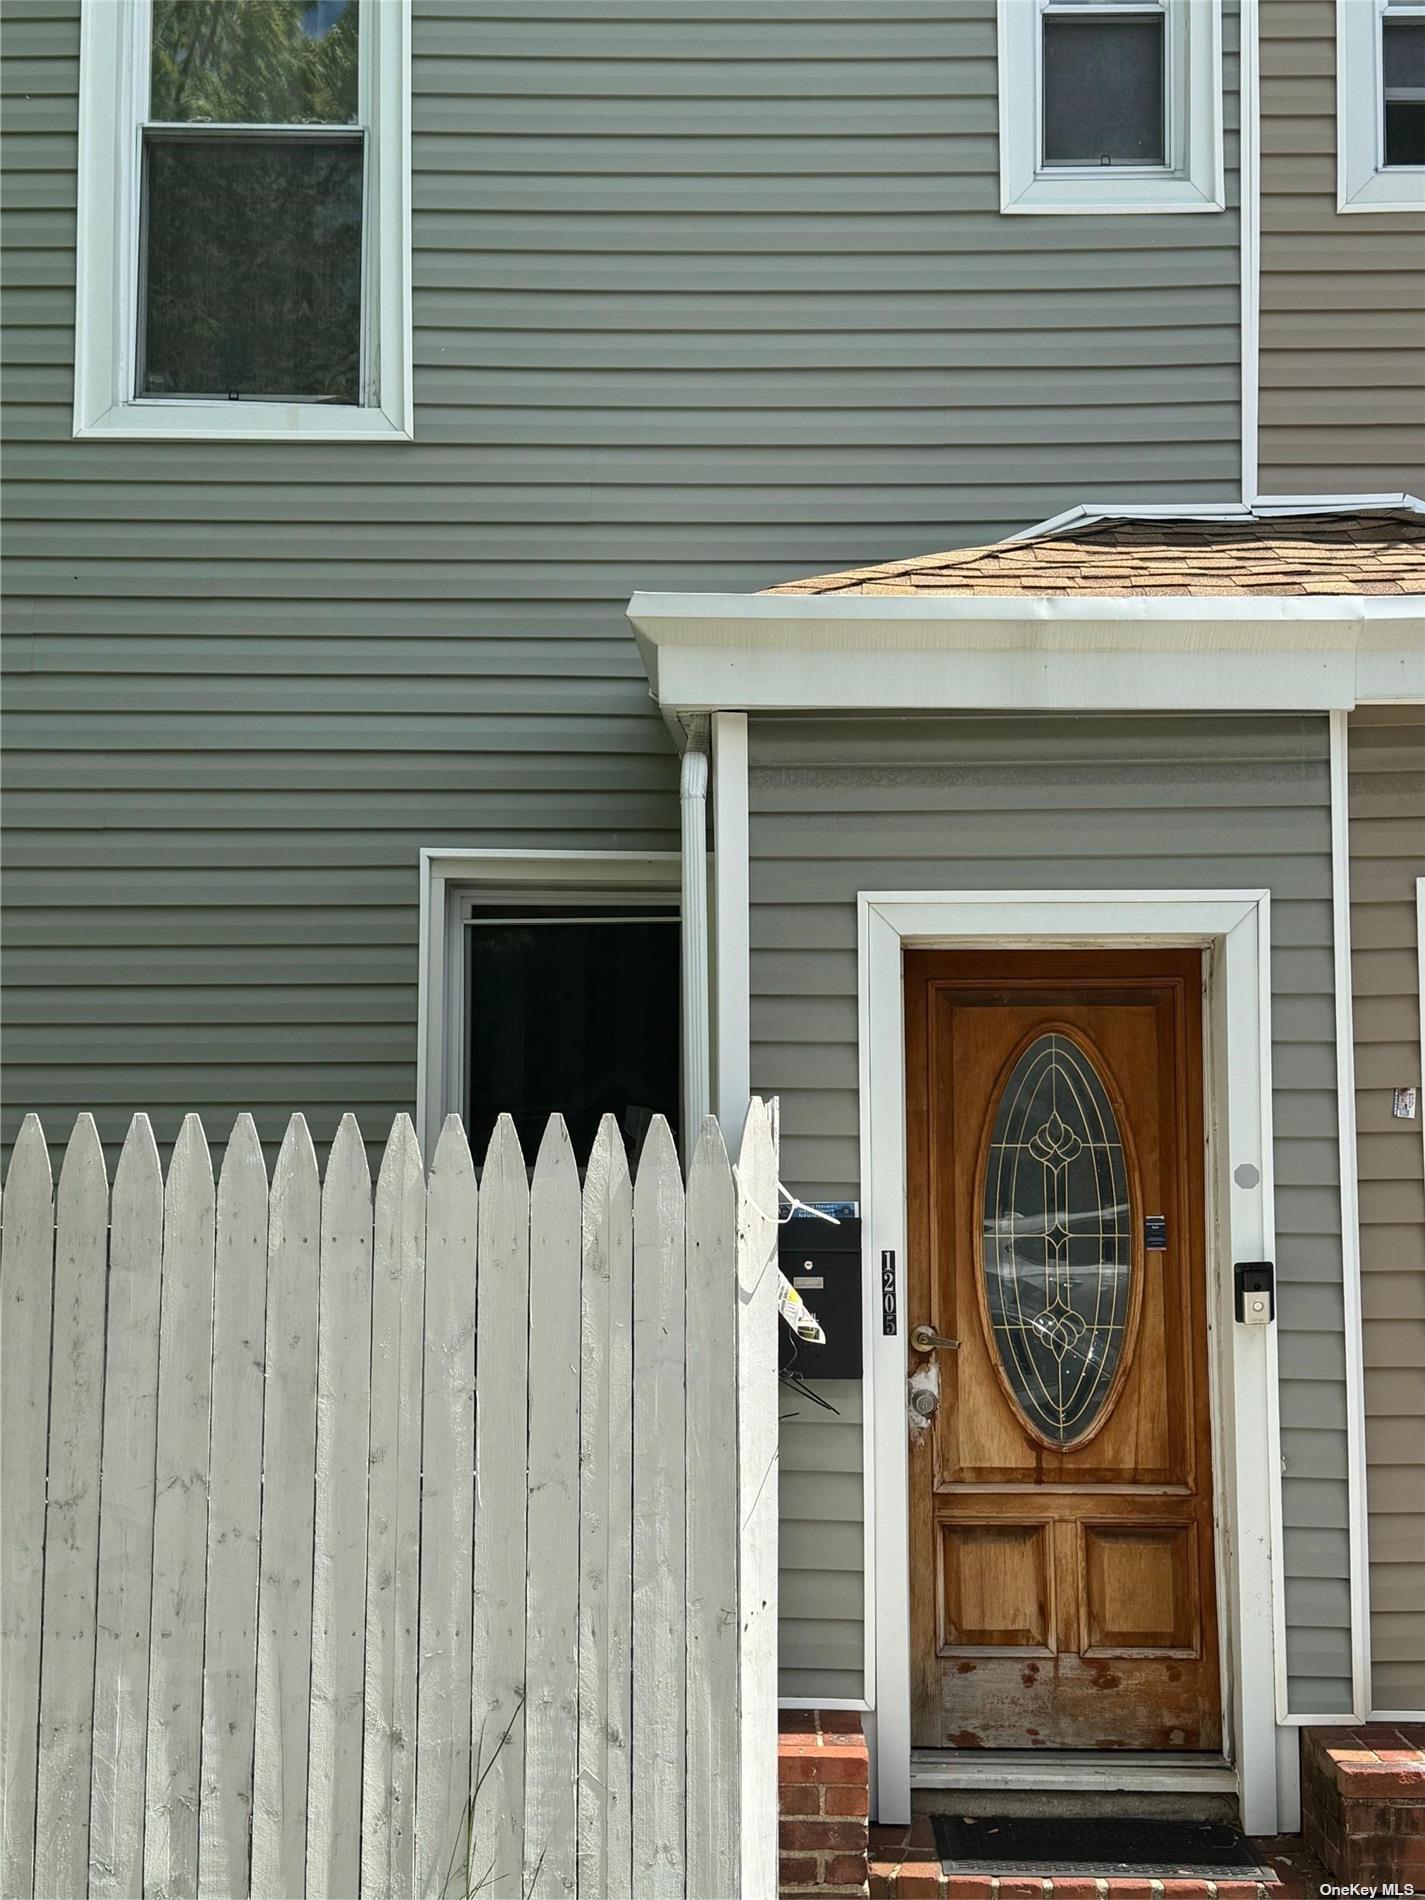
1402,61
244,219
1380,105
1110,105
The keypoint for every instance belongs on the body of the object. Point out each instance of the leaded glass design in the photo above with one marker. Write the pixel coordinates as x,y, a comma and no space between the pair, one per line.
1058,1252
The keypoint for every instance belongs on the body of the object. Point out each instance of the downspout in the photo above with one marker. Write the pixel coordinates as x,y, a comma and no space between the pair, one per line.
693,806
1249,212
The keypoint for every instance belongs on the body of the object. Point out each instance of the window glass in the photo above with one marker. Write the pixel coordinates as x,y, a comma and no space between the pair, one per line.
576,1012
1057,1248
1403,70
1103,91
252,268
255,62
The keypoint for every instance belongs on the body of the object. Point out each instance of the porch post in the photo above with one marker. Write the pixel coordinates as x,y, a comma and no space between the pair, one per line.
732,981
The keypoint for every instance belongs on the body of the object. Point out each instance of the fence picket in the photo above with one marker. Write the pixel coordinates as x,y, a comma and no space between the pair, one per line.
393,1520
443,1778
284,1599
234,1514
26,1295
605,1517
710,1332
126,1501
501,1409
81,1262
180,1520
659,1554
339,1563
757,1500
552,1588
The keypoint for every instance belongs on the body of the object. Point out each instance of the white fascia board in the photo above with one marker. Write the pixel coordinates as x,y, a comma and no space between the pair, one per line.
1016,681
779,652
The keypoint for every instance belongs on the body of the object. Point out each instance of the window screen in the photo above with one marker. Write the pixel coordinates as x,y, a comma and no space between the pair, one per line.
1103,90
252,268
253,183
572,1010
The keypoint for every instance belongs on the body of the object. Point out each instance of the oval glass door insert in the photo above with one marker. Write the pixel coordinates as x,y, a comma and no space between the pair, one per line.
1058,1250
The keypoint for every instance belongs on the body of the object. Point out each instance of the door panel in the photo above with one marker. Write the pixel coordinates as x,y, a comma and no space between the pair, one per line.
996,1585
1062,1580
1139,1591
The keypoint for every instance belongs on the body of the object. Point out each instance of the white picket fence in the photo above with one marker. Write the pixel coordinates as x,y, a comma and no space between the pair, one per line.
423,1548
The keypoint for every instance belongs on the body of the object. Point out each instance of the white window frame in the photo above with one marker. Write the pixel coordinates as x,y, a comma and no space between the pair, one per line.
113,105
1363,181
451,875
1194,178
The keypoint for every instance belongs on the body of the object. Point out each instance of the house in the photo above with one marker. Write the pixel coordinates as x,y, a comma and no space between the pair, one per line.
583,555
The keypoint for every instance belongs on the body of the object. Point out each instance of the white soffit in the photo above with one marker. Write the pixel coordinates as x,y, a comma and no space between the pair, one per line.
790,652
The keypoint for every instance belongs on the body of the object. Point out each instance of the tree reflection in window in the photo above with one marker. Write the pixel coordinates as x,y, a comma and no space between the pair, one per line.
254,62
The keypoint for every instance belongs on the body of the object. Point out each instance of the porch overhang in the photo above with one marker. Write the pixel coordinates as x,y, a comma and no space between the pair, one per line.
1040,653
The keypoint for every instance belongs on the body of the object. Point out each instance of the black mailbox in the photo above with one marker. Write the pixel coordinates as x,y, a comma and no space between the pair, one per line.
823,1263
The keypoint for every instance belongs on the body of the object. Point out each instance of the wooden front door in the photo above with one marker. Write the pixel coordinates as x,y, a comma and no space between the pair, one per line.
1062,1576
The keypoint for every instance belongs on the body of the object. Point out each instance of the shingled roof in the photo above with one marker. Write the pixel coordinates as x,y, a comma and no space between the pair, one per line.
1341,552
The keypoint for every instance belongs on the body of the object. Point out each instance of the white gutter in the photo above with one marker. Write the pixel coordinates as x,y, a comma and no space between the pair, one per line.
1067,611
693,808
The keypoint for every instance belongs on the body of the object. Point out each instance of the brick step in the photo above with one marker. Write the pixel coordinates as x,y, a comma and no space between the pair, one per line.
825,1795
904,1866
1363,1801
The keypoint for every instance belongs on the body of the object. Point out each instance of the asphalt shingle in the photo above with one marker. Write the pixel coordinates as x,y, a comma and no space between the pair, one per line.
1369,552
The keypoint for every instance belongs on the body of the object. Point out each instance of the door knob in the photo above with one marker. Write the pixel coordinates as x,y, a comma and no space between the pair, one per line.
926,1339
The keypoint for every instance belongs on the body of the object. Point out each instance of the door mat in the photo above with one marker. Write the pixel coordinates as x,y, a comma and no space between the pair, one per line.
1046,1845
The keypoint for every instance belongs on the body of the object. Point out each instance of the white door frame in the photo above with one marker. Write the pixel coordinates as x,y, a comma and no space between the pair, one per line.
1232,927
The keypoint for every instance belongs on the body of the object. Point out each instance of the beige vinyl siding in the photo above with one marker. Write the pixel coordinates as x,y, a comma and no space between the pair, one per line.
1387,834
706,295
839,806
1343,296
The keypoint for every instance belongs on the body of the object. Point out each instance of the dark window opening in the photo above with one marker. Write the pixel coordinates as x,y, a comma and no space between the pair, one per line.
572,1010
1403,70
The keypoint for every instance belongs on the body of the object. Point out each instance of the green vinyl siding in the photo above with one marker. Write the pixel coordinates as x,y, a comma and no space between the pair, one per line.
1342,334
705,295
839,806
821,1633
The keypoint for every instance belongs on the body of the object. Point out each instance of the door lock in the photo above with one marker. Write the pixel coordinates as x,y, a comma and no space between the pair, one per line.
926,1339
924,1402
